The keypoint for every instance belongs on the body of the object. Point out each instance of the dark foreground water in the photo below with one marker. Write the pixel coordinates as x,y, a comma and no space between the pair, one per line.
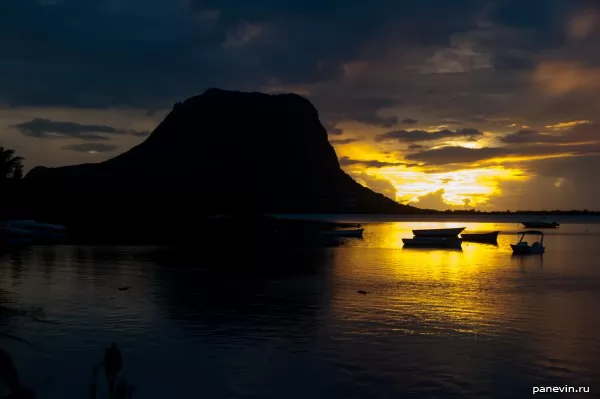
474,323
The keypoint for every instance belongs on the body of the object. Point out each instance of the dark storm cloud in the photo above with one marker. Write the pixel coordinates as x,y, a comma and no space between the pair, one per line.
476,119
331,129
46,128
360,114
372,163
513,62
415,147
87,54
545,16
575,134
559,148
408,136
409,121
340,20
151,53
450,122
453,155
374,119
462,155
531,136
90,147
363,110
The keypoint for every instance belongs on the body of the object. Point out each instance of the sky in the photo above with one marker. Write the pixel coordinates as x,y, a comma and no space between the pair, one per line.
463,104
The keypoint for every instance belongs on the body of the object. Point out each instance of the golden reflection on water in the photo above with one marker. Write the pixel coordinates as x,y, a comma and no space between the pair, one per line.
390,235
432,322
425,291
481,292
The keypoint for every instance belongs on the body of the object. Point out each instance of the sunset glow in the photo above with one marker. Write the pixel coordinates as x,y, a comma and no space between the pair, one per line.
477,186
443,167
472,186
486,111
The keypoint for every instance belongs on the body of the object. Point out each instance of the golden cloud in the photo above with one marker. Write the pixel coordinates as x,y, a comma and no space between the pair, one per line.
567,125
478,186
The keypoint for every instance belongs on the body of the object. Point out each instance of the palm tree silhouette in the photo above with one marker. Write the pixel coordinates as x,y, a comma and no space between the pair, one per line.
11,166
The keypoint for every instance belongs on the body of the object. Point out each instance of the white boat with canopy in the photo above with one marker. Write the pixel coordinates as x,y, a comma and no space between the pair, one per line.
522,247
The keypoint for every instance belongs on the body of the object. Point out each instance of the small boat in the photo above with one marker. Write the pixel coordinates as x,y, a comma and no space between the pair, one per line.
32,229
486,238
454,232
432,242
539,224
523,248
10,232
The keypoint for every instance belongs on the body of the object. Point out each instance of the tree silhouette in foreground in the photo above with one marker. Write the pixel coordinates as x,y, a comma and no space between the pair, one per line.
11,166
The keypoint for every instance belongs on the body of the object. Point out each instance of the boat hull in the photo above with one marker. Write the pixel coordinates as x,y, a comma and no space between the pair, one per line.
540,225
425,242
486,238
430,233
30,231
526,250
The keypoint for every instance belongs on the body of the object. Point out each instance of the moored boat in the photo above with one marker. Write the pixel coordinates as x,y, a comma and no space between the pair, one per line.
432,242
486,238
539,224
453,232
522,247
32,229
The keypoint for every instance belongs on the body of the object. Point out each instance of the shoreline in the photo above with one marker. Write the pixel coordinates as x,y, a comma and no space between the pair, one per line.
442,217
281,230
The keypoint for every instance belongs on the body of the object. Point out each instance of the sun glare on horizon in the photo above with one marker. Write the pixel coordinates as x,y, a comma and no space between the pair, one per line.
474,186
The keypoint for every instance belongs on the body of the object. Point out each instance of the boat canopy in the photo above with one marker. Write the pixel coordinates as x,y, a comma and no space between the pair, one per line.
522,235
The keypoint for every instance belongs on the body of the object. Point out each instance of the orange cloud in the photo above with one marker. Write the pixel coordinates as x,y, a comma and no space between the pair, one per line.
559,77
583,24
355,69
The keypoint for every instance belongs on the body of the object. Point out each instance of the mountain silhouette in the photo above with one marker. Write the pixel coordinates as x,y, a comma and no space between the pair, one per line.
219,152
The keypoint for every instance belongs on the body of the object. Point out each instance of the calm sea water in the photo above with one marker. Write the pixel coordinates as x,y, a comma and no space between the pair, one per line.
474,323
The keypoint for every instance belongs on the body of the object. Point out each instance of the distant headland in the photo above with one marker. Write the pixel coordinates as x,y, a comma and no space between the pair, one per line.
225,151
222,152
